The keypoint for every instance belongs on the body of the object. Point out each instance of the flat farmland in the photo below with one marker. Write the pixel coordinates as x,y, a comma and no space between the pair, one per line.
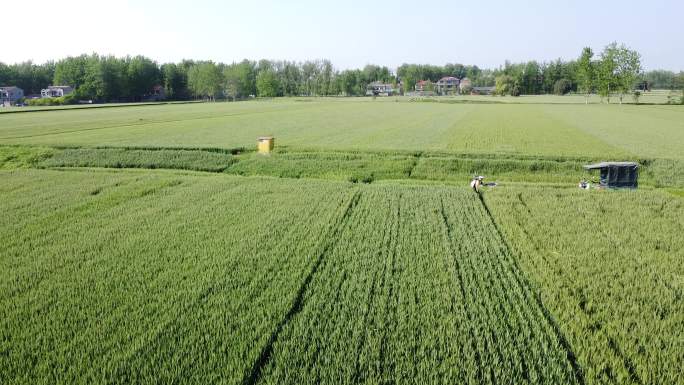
607,131
120,277
152,244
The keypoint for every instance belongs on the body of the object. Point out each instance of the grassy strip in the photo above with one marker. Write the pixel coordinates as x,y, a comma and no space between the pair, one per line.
125,158
355,167
516,170
20,110
663,172
13,157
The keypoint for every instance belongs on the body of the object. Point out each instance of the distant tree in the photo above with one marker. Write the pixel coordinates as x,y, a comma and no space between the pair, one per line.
618,70
349,81
290,77
585,73
562,87
175,81
661,79
310,70
530,78
267,83
205,80
605,73
5,74
325,78
628,69
374,73
239,79
409,75
143,75
71,71
506,85
105,79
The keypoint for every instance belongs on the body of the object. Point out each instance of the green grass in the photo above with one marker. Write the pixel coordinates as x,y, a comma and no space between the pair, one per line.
597,131
353,167
13,157
137,158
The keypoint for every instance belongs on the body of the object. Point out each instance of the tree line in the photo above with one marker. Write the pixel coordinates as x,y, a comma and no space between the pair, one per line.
617,69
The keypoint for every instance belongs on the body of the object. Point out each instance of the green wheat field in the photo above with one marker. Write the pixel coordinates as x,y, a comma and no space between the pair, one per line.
152,244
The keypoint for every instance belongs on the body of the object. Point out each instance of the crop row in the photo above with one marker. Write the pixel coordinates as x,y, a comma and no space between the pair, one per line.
151,278
609,265
418,287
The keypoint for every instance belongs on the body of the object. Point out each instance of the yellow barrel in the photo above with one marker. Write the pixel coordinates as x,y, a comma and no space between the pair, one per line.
265,144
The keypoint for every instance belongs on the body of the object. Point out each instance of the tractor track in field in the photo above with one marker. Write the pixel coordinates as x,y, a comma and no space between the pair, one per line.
563,341
254,375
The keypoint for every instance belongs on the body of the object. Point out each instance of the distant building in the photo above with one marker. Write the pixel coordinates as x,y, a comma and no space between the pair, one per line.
423,88
447,85
157,94
482,90
10,95
56,91
424,85
379,89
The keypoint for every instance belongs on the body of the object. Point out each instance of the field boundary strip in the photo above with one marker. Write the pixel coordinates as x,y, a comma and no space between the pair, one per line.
565,344
353,166
334,234
93,107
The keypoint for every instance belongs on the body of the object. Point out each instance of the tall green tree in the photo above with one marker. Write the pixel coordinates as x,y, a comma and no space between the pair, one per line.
507,85
660,79
267,83
628,69
585,73
142,75
618,70
240,79
325,78
606,81
175,81
71,71
205,80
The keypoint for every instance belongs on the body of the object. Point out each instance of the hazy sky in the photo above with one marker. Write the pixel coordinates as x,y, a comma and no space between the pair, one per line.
350,33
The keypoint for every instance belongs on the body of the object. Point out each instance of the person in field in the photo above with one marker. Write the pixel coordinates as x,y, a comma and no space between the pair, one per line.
584,185
476,183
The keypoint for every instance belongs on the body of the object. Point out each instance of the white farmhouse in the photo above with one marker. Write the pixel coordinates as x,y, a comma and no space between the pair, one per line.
56,91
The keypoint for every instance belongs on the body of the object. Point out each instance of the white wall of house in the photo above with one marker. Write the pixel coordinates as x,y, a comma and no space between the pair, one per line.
56,91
